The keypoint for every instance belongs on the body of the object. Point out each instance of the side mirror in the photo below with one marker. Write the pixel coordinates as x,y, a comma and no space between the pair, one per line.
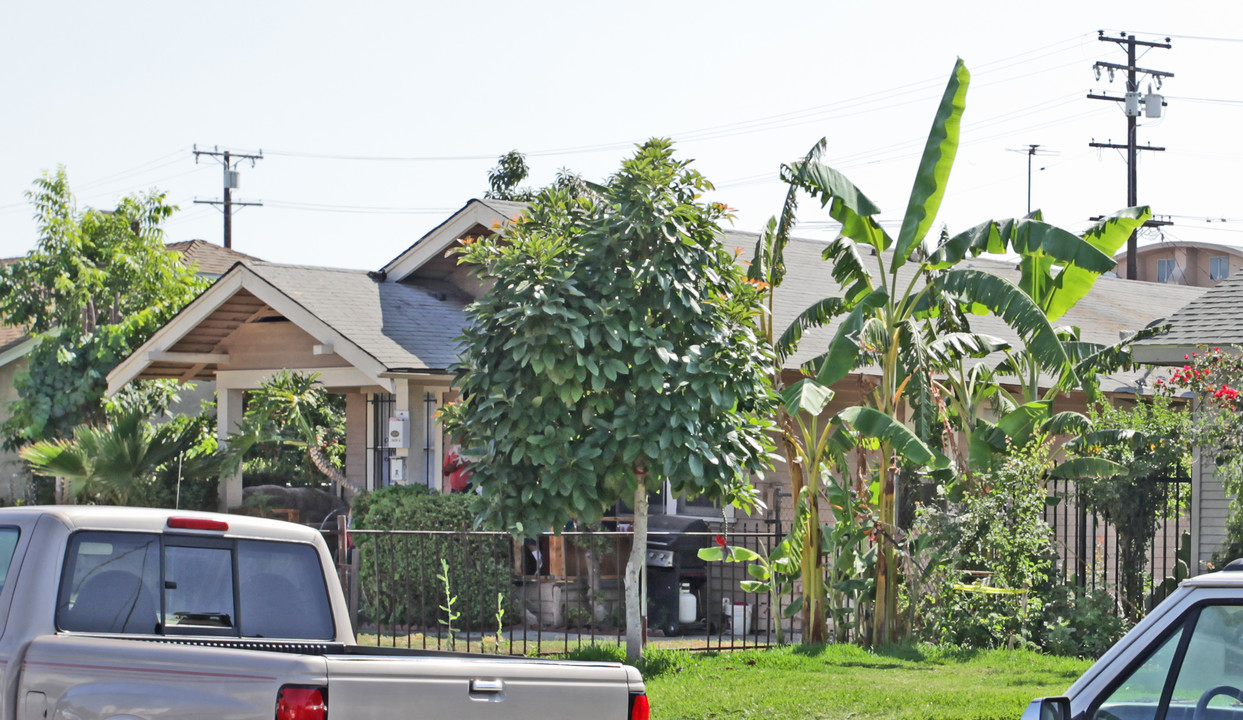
1048,708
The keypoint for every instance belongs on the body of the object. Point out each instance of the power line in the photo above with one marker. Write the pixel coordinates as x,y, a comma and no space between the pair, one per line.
229,160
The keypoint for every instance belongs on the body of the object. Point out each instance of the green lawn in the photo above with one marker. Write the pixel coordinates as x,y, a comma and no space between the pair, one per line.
842,681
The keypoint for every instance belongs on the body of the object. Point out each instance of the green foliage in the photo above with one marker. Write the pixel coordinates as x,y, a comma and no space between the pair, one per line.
1216,428
505,178
398,573
291,428
95,287
1150,440
618,341
128,461
1081,624
997,532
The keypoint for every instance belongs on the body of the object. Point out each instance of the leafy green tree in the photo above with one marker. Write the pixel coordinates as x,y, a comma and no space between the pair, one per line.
616,350
505,179
97,285
122,461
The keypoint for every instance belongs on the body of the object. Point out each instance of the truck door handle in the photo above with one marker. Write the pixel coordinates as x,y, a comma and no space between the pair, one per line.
487,686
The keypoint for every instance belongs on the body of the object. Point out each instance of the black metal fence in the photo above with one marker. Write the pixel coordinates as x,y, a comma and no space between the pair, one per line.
488,592
1095,555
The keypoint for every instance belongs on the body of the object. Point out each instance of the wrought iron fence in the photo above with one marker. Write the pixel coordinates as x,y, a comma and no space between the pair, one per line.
1092,550
487,592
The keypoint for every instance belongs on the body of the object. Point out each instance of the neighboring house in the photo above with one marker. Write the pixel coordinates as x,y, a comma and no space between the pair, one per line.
1184,263
385,339
208,260
1214,319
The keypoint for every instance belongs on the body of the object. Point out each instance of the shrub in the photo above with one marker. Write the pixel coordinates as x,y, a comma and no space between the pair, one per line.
1082,624
398,572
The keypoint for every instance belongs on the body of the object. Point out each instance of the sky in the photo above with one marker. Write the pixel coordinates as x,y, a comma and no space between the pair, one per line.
376,120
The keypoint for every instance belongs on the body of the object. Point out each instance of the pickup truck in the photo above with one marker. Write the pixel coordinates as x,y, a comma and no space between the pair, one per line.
1184,661
111,613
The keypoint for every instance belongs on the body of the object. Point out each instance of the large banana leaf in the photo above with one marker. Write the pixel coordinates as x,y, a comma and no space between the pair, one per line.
1018,311
818,315
807,396
991,236
1106,236
1085,467
934,167
952,346
769,262
847,204
848,268
844,348
876,424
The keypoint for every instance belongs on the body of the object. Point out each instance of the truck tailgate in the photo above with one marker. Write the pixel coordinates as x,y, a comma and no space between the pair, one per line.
366,688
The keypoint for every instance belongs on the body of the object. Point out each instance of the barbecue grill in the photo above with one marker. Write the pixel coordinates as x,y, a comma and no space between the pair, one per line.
672,561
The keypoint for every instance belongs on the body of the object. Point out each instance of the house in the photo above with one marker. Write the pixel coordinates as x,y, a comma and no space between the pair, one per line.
1214,319
209,260
386,338
1184,263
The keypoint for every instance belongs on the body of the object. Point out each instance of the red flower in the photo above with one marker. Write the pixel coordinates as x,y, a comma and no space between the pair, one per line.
720,540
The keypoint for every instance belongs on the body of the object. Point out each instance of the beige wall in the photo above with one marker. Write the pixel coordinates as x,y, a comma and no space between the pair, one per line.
1192,264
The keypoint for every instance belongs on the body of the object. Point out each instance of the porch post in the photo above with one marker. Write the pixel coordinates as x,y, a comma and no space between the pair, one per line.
228,416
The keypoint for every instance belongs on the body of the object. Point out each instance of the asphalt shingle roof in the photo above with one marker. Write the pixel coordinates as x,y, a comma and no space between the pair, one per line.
1114,306
400,325
208,258
1214,318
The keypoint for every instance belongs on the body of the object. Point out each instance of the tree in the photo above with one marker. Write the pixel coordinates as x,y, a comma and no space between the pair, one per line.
892,319
616,350
504,179
97,285
120,461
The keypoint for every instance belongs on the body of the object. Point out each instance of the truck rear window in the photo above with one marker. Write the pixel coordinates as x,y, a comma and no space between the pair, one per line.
139,583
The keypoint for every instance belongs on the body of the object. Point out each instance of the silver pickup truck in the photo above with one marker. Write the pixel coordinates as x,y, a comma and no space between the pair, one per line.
1184,661
119,614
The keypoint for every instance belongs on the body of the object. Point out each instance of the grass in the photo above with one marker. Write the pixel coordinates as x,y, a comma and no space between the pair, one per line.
844,681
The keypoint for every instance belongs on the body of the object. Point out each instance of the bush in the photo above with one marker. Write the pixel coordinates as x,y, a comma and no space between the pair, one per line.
398,573
1082,624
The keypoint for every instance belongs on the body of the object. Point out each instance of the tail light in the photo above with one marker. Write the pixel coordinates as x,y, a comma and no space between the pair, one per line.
639,709
304,703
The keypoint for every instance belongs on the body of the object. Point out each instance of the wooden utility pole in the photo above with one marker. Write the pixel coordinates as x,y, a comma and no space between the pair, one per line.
230,161
1132,102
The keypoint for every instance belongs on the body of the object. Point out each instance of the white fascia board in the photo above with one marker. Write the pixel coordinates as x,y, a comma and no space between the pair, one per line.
1162,354
435,243
328,377
190,316
18,351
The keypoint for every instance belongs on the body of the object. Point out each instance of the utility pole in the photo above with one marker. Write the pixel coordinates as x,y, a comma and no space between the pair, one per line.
230,161
1030,151
1132,101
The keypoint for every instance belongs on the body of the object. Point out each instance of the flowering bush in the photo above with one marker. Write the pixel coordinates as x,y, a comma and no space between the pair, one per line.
1216,377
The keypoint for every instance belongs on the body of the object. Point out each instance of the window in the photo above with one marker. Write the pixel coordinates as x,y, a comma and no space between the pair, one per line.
8,544
1219,267
1165,270
1204,670
139,583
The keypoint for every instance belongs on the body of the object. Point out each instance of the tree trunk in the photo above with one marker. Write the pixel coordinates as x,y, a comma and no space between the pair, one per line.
635,610
883,631
324,465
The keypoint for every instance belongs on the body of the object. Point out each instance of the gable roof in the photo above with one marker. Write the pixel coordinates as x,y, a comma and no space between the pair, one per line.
476,216
208,258
1214,318
380,328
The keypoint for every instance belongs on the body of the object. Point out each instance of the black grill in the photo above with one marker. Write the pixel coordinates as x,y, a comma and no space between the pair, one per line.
673,544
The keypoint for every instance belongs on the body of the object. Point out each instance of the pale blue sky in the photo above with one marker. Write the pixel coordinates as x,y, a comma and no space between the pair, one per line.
119,91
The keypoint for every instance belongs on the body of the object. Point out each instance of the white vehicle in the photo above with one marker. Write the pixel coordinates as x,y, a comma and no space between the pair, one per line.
113,613
1184,661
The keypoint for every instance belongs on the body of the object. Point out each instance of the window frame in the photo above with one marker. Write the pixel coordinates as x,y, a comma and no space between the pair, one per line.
167,539
1165,266
1185,624
1213,273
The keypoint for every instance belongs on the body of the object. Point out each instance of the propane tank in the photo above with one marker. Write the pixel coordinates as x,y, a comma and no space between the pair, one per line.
688,605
